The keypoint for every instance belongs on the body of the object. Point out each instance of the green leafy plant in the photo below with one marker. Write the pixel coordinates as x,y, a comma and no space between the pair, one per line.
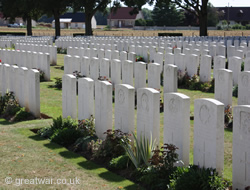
61,50
9,106
139,58
58,124
87,126
228,115
119,163
196,178
23,115
242,66
162,165
81,144
58,83
112,147
235,91
66,136
4,100
141,152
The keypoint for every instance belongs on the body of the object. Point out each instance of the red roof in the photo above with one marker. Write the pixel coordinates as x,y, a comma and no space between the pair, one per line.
122,13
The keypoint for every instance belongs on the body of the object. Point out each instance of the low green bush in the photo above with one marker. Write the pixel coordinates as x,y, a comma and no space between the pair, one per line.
196,178
23,115
235,91
82,143
119,163
140,22
111,147
66,136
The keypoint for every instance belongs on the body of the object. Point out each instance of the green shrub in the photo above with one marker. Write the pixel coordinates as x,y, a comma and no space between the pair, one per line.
242,66
4,101
107,28
157,175
150,23
140,22
238,27
58,83
45,132
235,91
9,105
139,58
81,144
248,26
141,151
61,50
195,178
119,163
111,147
87,126
66,136
22,115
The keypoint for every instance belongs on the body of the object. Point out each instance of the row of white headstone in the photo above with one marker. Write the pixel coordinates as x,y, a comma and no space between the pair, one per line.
51,50
123,71
31,60
208,121
25,83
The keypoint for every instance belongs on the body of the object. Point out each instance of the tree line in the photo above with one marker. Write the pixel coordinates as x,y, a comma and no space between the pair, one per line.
165,11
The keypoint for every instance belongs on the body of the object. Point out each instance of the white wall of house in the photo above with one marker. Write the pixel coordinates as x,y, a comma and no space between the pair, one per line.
76,25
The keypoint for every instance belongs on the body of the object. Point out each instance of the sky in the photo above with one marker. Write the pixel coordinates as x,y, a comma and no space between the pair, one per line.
222,3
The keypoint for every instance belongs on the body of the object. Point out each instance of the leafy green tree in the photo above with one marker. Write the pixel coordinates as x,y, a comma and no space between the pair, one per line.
27,9
147,14
166,14
197,7
55,8
212,15
90,7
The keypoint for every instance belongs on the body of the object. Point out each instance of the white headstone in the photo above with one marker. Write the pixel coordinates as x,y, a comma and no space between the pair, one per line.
115,72
154,75
234,64
176,131
205,68
124,108
103,108
34,92
244,88
170,78
224,86
69,96
127,73
140,75
192,64
209,134
85,98
241,151
148,114
94,68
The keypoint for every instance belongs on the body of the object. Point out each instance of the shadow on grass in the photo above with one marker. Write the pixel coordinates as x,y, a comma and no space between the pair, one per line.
88,165
55,88
36,138
5,122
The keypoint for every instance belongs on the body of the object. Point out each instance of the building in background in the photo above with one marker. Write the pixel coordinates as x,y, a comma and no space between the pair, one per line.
121,18
74,20
234,15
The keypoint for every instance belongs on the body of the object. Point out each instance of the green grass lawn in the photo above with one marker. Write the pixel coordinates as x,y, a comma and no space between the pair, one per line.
25,155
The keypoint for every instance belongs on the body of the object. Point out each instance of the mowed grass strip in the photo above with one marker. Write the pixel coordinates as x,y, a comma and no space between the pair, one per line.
25,155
